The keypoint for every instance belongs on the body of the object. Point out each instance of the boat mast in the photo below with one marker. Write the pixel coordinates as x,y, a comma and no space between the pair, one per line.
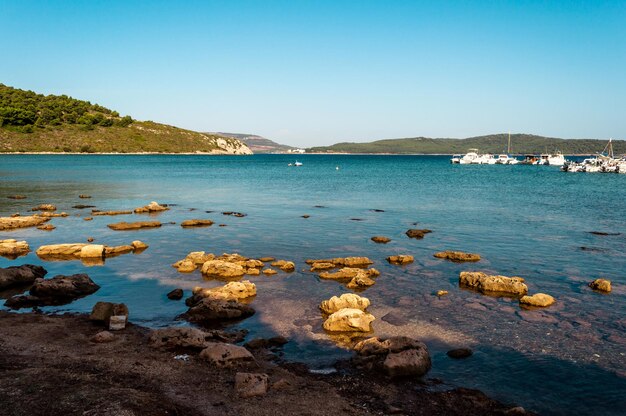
508,150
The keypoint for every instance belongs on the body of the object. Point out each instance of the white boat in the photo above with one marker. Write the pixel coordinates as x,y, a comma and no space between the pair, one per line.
486,159
506,160
297,163
469,157
456,159
552,159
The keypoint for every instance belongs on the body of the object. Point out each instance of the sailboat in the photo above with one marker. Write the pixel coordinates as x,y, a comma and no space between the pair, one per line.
506,159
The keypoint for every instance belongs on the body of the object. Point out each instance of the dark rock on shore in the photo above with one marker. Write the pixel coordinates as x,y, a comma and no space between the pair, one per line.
176,294
186,337
215,310
459,353
417,233
20,275
103,311
396,356
59,290
274,342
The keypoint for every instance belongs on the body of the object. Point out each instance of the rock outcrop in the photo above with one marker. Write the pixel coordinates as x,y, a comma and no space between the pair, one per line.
347,300
540,300
13,249
284,265
458,256
396,356
349,320
230,291
359,278
417,233
151,208
493,284
123,226
186,337
226,355
196,223
222,269
20,275
380,239
44,207
208,310
84,251
400,259
602,285
59,290
12,223
359,262
96,212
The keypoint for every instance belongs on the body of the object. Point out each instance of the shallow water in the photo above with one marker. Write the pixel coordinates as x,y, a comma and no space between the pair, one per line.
528,221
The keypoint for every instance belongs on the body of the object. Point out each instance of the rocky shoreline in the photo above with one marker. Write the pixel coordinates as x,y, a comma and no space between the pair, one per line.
54,364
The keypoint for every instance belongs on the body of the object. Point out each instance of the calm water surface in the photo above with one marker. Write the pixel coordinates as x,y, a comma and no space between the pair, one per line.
529,221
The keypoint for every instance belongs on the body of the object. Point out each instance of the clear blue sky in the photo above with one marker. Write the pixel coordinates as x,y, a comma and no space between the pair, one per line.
317,72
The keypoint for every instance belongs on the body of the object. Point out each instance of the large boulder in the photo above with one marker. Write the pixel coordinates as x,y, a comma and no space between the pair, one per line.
226,355
151,207
493,284
13,249
59,290
11,223
103,311
20,275
123,226
222,269
349,320
215,310
347,300
417,233
63,250
397,356
458,256
230,291
540,300
602,285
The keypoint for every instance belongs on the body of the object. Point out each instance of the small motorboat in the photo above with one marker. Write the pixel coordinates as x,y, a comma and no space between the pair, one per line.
297,163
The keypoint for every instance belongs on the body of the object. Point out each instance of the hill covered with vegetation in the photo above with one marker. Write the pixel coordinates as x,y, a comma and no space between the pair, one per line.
31,122
494,143
259,144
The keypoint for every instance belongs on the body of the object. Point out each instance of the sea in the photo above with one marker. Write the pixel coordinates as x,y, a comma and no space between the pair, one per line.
530,221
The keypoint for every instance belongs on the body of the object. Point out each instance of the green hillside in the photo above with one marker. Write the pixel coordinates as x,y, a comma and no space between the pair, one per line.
494,143
31,122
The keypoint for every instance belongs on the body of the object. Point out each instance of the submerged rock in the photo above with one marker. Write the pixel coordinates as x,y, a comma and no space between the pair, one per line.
11,223
417,233
44,207
359,262
400,259
380,239
84,196
459,353
151,207
16,197
196,223
493,284
349,320
96,212
176,294
20,275
602,285
234,214
458,256
347,300
13,249
540,300
59,290
46,227
122,226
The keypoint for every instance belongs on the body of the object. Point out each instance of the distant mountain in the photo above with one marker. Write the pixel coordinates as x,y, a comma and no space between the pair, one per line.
31,122
494,143
258,144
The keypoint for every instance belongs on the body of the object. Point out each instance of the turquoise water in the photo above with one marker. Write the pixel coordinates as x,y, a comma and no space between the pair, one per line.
528,221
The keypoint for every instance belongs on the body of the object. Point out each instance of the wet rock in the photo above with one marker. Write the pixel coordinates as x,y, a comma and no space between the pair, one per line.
176,294
96,212
315,267
103,337
234,214
347,300
380,239
196,223
603,233
90,239
46,227
48,214
11,223
117,250
44,207
253,272
400,259
13,249
349,273
357,219
269,272
540,300
83,206
230,291
459,353
458,256
396,356
360,281
417,233
266,259
602,285
59,290
70,251
442,293
16,197
493,284
222,269
359,262
349,320
103,311
251,384
150,208
88,219
284,265
226,355
84,196
139,245
185,266
20,275
305,216
123,226
212,310
187,337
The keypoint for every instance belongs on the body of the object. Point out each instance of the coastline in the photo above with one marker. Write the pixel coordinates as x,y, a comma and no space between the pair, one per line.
54,354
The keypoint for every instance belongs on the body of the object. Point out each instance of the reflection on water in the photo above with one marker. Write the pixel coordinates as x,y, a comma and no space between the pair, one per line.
527,221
